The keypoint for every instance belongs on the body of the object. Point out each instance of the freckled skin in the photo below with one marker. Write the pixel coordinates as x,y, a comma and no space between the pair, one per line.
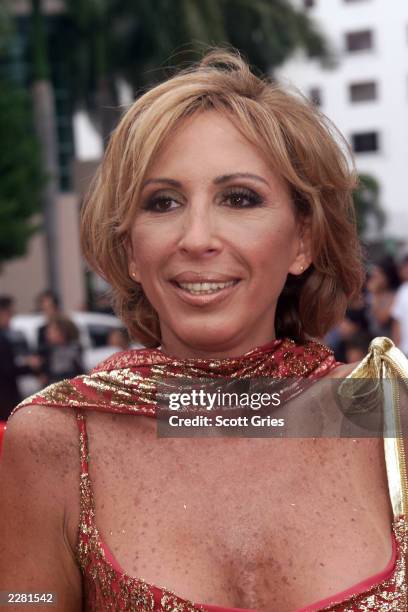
243,545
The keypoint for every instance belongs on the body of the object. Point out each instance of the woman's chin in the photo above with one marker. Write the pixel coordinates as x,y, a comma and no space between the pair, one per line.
211,342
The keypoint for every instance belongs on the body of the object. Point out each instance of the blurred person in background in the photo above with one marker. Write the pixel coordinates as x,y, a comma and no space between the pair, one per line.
403,269
49,305
61,354
356,346
382,284
58,341
9,368
354,325
399,310
117,340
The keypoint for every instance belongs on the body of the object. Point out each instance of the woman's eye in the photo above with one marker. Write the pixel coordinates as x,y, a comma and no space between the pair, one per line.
162,204
242,198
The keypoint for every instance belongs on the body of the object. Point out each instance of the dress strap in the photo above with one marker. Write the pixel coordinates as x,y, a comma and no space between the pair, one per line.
87,503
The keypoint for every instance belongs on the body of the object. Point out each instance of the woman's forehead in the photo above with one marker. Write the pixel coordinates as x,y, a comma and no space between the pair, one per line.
209,145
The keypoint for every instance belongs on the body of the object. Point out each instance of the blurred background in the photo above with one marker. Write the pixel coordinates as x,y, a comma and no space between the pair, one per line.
68,69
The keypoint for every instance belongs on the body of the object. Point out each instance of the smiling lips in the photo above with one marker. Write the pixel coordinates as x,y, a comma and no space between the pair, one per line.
196,284
206,287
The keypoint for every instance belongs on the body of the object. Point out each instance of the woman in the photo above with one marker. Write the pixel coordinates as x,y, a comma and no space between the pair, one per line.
61,353
382,285
221,217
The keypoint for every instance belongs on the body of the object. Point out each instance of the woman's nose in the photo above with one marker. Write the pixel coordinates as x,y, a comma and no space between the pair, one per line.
199,232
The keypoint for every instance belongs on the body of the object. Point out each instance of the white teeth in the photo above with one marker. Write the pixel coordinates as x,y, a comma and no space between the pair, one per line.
200,288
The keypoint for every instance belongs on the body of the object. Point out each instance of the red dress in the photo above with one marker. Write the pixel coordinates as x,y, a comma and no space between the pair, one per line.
122,383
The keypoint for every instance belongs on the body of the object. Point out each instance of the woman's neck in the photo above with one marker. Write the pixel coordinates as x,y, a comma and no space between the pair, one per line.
185,351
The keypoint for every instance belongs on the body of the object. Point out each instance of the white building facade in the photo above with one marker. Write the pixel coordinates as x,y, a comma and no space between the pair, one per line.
365,92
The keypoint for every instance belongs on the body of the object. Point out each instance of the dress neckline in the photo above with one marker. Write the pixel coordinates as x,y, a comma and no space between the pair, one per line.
342,597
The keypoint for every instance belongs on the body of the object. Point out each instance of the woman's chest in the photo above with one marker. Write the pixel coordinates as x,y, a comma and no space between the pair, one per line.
262,524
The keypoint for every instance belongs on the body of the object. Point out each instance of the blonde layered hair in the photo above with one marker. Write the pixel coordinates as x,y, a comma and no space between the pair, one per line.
300,144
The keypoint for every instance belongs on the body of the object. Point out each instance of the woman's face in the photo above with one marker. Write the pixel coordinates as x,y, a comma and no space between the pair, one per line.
54,334
214,240
377,280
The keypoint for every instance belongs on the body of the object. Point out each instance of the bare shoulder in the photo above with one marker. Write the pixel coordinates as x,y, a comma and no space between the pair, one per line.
41,452
39,473
43,434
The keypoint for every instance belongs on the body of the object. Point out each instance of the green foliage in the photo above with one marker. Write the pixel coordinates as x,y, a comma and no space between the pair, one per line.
137,40
20,171
367,203
269,31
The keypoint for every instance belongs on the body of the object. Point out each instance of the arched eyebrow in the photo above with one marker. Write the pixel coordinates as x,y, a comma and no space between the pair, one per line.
237,175
166,181
219,180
